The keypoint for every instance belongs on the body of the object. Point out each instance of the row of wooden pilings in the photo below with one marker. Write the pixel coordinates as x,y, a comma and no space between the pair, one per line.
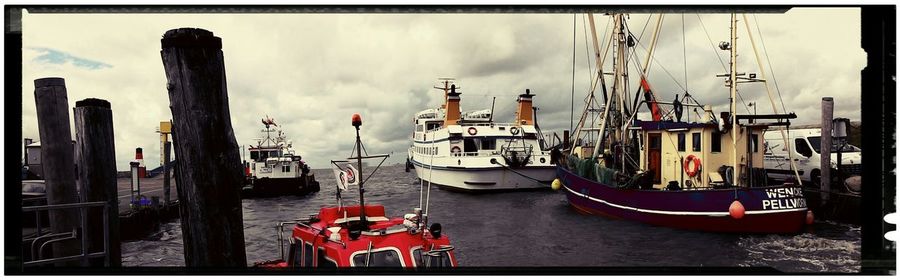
208,168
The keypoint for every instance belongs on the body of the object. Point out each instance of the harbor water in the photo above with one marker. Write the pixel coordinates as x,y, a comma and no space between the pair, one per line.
530,229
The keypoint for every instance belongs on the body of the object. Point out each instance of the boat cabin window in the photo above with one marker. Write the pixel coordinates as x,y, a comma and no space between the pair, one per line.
802,147
296,256
432,125
263,155
696,143
655,142
323,261
383,258
307,254
470,145
681,142
419,128
716,142
286,168
488,144
429,261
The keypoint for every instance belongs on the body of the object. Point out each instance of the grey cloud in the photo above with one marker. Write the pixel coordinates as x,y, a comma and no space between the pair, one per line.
312,71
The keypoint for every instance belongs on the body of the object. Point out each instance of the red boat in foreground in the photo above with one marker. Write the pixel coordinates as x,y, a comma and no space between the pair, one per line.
362,236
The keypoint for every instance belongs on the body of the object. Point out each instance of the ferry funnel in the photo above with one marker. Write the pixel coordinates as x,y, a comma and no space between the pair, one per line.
525,115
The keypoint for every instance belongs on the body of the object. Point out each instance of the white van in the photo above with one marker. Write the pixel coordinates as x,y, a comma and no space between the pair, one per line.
804,147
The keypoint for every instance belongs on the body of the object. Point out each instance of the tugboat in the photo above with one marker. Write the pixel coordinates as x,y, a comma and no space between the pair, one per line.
360,235
470,152
667,172
275,168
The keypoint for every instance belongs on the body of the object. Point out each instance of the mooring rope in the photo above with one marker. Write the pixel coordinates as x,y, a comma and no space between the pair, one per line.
514,171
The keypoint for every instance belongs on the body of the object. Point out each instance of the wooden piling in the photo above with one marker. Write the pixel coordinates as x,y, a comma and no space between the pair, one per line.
57,159
95,154
208,169
825,148
167,148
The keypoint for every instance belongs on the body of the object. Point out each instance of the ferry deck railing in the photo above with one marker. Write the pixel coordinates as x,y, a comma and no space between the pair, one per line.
40,241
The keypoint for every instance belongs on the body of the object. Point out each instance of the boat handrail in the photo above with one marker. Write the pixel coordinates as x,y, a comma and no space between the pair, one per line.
438,251
280,228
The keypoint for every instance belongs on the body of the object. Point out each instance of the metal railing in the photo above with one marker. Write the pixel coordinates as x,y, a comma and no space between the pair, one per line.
40,242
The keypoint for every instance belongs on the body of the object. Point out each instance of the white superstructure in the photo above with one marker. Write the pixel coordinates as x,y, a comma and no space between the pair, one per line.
467,150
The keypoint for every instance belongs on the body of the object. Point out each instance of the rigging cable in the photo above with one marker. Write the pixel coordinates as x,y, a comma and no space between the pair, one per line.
587,52
684,54
572,108
772,70
711,44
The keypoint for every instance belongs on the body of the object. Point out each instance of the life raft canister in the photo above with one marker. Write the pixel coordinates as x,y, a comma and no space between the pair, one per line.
473,131
692,171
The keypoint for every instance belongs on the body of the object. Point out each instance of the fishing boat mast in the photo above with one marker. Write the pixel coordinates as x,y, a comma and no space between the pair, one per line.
732,84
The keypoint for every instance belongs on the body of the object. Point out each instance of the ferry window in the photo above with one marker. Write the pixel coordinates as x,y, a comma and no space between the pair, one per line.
386,258
296,252
681,142
324,262
488,144
433,125
802,147
420,127
254,155
695,145
285,168
716,142
307,255
469,145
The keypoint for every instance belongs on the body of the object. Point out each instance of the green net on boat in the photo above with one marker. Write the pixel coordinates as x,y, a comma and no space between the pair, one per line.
588,168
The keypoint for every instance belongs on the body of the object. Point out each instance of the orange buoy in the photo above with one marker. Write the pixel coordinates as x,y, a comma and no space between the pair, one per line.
736,210
357,120
809,217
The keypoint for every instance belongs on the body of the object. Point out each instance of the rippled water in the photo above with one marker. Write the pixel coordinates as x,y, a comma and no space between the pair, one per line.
531,229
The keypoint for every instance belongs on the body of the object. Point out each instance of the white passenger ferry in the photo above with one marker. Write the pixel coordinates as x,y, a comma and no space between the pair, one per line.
469,151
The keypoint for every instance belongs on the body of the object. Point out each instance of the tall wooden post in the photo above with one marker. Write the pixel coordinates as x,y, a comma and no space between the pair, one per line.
825,148
95,154
167,148
209,164
51,100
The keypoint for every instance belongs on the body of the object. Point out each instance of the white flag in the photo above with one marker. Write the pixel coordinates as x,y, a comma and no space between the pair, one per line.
346,175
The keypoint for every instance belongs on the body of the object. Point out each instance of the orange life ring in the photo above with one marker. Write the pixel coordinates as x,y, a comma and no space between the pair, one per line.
473,131
691,172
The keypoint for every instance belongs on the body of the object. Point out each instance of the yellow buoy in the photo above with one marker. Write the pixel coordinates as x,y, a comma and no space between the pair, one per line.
556,184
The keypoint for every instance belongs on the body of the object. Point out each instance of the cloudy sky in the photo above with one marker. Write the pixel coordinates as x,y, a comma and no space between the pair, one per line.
312,71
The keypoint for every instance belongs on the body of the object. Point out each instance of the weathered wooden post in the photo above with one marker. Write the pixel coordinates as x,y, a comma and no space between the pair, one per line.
51,100
95,155
825,149
167,147
209,165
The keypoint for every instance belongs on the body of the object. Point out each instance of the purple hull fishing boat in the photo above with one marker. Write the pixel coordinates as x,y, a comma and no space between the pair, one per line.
777,209
702,174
